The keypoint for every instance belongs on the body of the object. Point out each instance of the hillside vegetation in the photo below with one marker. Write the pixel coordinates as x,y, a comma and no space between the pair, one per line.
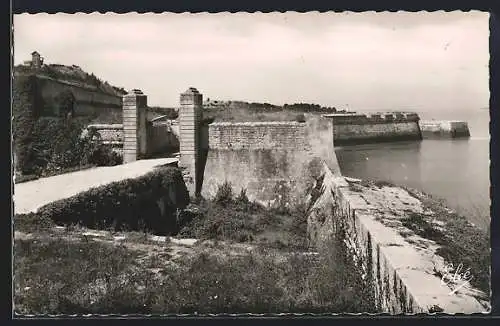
72,74
240,111
47,144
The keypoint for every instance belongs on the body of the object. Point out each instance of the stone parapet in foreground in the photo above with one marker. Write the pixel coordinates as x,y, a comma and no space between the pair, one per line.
403,267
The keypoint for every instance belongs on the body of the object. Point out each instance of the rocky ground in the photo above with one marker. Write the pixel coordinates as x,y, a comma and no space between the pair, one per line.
443,239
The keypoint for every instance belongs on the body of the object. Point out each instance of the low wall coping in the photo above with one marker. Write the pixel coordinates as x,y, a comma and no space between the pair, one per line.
257,123
106,126
435,122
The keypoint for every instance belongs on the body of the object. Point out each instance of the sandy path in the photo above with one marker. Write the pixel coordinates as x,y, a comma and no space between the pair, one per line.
31,195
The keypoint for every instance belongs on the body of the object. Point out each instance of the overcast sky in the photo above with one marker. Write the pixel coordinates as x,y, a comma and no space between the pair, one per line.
367,61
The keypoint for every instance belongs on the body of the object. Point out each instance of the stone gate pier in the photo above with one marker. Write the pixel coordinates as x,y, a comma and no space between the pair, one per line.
190,117
134,125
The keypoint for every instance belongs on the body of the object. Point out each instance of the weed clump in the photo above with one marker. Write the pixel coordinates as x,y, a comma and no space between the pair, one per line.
459,242
224,195
237,218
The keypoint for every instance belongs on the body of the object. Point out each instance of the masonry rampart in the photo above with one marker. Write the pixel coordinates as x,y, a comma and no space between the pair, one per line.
376,127
273,161
88,100
160,137
444,129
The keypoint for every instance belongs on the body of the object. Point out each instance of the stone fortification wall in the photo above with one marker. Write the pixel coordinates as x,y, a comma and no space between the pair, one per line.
108,133
160,137
367,128
88,100
373,118
273,161
257,135
444,129
404,271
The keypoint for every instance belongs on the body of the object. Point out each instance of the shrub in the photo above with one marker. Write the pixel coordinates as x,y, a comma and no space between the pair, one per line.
45,145
125,203
104,155
224,195
242,220
222,223
56,145
242,197
32,222
65,103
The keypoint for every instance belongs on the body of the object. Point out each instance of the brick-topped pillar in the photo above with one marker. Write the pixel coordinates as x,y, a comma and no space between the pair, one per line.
190,116
134,125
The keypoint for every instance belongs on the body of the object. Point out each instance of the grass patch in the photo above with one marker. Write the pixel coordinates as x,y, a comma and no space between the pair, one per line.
375,183
469,246
31,222
235,218
381,184
420,225
459,241
355,187
60,277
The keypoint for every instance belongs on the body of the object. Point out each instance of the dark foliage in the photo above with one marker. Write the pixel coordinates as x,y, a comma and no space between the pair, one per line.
131,204
267,107
24,118
307,107
65,102
57,144
224,195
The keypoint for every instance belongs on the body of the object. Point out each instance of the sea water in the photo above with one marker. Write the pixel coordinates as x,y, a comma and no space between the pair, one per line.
455,170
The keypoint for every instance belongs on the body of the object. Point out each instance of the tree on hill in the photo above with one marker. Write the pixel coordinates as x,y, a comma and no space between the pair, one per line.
307,107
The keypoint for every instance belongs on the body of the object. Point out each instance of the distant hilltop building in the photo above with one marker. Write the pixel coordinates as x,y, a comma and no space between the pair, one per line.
35,62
